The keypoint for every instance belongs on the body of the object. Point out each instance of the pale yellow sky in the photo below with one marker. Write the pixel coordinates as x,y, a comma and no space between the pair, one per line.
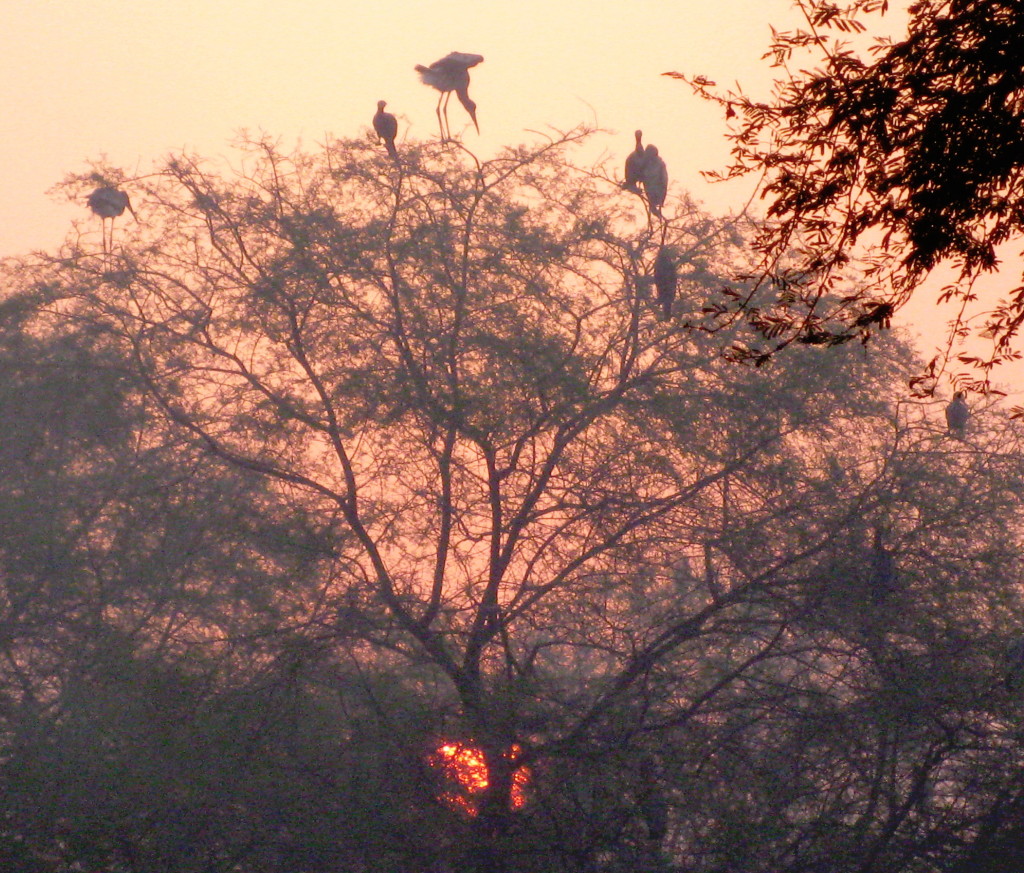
136,79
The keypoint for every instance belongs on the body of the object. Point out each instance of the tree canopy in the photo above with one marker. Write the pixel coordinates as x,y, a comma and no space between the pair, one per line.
374,515
891,156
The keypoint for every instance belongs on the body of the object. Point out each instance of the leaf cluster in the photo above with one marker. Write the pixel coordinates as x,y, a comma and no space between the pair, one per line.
905,151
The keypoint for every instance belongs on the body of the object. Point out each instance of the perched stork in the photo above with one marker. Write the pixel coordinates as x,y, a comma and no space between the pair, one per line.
654,810
957,415
1014,665
655,179
107,202
883,569
635,165
386,126
665,278
653,806
451,73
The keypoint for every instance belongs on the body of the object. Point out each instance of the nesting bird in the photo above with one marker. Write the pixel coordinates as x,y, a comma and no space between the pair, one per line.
665,279
108,202
654,179
386,126
957,414
635,165
451,73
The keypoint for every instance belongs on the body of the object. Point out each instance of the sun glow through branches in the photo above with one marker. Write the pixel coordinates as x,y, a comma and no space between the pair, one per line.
466,773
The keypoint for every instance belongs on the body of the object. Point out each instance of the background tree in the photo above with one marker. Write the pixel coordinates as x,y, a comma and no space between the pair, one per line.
164,702
893,157
451,479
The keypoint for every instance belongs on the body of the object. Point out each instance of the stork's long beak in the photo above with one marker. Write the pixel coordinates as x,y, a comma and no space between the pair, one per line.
469,106
128,203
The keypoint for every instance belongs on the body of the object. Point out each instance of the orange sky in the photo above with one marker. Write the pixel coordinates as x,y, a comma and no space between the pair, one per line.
133,80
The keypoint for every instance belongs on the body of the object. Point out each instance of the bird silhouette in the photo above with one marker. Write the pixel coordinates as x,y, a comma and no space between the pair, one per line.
957,414
1014,665
635,165
654,810
883,569
451,73
386,126
655,179
653,806
108,202
665,278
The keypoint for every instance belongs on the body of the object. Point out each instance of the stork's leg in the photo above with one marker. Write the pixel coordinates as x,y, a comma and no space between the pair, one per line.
447,126
438,110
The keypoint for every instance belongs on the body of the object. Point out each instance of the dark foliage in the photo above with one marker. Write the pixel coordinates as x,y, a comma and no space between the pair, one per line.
338,463
906,153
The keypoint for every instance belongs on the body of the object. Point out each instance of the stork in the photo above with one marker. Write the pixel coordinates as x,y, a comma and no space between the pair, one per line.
1014,665
108,202
957,415
655,179
883,569
665,278
451,73
386,126
653,805
635,165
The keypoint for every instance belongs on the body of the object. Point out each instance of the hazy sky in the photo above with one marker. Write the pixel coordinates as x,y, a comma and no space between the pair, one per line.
133,80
